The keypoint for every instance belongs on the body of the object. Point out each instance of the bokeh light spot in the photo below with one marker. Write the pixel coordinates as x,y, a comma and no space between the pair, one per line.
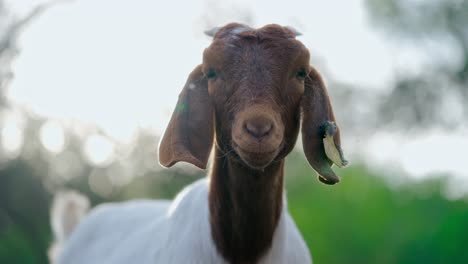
99,150
12,135
52,137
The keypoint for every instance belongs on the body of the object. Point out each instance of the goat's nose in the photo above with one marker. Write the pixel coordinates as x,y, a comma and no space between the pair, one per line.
258,127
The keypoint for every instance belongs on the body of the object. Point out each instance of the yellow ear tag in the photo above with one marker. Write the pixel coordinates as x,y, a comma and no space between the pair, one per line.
332,151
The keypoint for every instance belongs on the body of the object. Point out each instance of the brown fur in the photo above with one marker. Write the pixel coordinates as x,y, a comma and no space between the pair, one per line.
250,93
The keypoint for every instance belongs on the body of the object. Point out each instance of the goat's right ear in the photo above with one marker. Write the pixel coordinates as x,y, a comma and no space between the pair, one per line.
189,135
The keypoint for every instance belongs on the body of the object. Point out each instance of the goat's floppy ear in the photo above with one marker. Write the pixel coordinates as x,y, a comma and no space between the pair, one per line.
320,135
189,135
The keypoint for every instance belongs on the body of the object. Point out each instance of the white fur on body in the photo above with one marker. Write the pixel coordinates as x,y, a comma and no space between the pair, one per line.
176,231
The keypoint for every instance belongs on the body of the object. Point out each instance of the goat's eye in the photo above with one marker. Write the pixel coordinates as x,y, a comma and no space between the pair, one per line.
301,74
211,74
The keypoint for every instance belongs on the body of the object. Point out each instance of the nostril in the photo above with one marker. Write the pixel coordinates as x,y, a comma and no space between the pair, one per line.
258,128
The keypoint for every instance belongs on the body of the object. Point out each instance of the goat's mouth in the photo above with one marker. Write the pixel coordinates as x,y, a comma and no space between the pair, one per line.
256,157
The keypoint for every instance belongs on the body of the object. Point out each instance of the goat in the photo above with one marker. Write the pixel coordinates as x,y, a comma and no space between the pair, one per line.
247,99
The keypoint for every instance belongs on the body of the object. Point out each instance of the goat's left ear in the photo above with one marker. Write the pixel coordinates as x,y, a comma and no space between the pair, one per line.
189,135
320,135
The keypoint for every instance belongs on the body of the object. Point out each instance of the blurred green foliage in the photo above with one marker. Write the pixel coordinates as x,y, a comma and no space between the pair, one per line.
361,220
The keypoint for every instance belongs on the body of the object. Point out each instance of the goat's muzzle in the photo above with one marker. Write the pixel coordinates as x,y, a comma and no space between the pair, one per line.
257,135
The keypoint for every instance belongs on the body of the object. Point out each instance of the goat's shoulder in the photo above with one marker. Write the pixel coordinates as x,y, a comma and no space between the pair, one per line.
123,216
129,215
109,227
192,200
146,231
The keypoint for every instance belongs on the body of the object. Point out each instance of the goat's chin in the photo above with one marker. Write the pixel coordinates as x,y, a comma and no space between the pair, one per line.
256,160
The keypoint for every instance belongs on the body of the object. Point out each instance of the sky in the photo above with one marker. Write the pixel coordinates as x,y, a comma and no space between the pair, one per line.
121,63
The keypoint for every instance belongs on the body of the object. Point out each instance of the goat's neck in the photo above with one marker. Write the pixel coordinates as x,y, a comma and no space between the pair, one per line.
245,206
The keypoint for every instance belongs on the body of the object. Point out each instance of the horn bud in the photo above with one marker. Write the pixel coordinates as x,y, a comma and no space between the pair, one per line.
212,32
294,31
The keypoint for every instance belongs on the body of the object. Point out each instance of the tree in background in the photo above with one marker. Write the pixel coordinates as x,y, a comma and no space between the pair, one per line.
438,30
10,29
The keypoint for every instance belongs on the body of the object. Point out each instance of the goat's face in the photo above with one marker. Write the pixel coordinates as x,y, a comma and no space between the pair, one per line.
250,92
256,81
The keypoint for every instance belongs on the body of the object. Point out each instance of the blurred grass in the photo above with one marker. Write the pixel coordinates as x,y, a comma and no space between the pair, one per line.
361,220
